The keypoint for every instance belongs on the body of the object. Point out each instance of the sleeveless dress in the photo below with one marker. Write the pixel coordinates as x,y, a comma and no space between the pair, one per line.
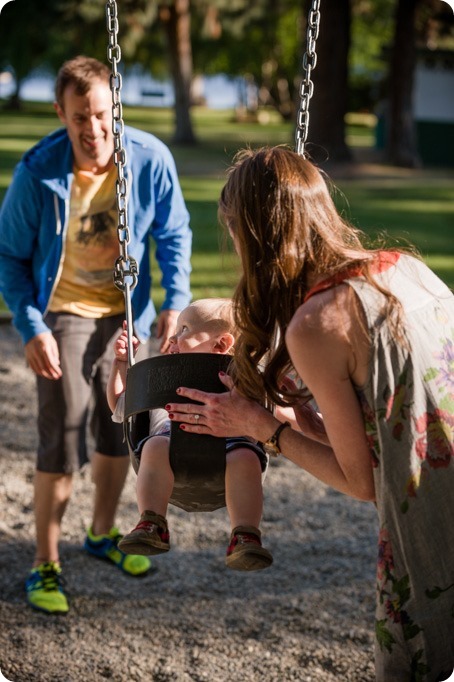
408,409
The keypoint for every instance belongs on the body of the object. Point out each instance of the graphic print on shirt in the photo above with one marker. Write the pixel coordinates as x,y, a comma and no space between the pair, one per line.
86,284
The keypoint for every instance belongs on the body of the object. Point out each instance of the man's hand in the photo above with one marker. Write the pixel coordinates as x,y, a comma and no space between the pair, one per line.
167,323
42,356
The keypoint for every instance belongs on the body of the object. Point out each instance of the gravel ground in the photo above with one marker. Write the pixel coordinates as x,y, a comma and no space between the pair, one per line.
309,617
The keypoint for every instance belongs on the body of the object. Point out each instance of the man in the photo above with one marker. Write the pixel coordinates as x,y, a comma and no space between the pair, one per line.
58,245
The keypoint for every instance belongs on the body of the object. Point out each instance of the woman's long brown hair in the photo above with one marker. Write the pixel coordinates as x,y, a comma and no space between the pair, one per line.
277,207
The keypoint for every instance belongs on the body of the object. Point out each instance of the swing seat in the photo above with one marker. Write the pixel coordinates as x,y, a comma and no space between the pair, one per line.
197,460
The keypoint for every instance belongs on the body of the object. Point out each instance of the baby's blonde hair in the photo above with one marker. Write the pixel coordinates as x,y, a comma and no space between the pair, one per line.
217,313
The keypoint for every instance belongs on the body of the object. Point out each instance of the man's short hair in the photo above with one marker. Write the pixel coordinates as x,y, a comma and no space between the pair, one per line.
81,72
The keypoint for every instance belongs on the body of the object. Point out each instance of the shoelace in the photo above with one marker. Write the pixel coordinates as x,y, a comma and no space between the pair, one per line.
116,538
148,526
152,527
50,578
244,538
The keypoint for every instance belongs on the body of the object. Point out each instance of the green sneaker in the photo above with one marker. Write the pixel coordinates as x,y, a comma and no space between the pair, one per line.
44,589
106,547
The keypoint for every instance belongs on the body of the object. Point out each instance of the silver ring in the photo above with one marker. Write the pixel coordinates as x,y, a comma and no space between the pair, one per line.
197,417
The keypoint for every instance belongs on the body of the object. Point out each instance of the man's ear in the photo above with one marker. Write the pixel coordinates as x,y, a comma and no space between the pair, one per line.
60,112
224,343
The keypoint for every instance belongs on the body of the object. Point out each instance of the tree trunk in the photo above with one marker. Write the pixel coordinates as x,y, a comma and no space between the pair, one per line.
401,140
176,18
328,106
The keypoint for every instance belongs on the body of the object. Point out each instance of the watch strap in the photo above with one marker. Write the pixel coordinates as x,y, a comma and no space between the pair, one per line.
273,442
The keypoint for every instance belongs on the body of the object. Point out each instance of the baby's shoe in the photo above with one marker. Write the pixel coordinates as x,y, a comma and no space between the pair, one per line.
245,551
150,536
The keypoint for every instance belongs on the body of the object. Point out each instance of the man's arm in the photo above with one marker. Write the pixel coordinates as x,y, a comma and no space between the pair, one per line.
173,238
19,227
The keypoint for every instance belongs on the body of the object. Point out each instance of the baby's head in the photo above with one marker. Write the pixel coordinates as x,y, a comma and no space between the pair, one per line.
205,326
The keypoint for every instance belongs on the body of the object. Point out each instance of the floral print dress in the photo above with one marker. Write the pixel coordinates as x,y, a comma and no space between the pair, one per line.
408,407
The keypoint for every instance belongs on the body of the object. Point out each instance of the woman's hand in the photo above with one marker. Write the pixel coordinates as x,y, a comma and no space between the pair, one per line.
222,414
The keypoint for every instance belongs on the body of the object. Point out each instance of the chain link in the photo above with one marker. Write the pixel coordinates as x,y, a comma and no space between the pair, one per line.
126,270
125,266
307,85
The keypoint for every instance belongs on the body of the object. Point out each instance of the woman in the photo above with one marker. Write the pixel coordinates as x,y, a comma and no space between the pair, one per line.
369,333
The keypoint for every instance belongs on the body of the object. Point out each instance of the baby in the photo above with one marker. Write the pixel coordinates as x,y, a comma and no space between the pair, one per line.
205,326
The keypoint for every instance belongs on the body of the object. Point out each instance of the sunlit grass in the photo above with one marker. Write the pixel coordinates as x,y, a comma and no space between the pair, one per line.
360,140
15,144
201,188
416,208
409,212
444,266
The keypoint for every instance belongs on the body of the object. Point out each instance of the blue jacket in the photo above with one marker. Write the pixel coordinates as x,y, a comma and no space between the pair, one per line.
34,218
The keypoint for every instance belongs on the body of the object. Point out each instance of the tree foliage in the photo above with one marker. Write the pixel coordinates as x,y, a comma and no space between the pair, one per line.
25,39
259,41
371,31
262,41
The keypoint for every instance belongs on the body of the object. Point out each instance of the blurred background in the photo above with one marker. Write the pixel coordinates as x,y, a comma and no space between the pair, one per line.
390,59
211,76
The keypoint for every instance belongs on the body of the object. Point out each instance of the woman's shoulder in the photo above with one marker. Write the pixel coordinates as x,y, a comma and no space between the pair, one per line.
326,310
329,330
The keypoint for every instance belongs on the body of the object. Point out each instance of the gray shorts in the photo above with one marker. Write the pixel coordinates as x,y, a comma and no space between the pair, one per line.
232,443
66,406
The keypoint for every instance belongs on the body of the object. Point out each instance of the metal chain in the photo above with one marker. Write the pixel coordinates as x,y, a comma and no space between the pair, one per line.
307,85
125,270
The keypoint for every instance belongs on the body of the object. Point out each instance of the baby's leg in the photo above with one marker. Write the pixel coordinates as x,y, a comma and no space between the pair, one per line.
155,477
243,488
154,487
244,499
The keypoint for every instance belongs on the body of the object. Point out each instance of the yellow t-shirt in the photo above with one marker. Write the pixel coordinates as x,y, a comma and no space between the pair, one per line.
86,285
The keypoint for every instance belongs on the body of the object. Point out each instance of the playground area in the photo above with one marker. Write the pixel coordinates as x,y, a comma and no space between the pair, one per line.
308,618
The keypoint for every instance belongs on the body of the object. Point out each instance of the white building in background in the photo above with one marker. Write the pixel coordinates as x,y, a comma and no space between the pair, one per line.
433,106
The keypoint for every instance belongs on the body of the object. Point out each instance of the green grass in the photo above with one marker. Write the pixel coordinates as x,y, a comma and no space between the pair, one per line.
420,213
416,207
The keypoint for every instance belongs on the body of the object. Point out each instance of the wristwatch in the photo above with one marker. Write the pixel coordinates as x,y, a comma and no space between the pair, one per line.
271,446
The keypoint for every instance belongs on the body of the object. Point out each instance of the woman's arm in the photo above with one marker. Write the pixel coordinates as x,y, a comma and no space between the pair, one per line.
302,416
329,349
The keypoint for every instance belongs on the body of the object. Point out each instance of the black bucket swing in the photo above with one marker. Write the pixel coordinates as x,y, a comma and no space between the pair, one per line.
197,460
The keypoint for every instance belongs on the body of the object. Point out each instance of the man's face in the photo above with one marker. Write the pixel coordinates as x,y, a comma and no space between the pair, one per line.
88,120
